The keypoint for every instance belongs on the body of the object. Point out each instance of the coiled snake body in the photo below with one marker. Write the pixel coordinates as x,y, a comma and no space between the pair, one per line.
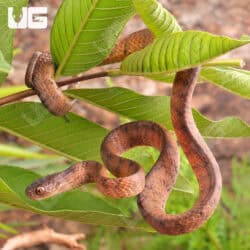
131,177
156,188
39,76
153,198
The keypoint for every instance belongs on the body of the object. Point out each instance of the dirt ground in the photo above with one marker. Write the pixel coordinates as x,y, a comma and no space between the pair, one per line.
229,17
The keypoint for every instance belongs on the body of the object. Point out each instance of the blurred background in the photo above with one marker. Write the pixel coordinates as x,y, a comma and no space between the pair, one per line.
228,229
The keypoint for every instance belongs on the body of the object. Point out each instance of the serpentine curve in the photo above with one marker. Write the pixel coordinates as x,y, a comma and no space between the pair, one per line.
156,188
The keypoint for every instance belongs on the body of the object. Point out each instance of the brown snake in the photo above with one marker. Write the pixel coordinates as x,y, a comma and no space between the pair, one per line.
40,71
153,198
39,76
131,177
155,190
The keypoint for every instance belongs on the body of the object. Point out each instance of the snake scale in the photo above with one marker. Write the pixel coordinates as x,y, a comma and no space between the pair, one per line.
154,189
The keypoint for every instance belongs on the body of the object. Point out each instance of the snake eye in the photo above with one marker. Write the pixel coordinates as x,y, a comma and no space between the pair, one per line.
40,190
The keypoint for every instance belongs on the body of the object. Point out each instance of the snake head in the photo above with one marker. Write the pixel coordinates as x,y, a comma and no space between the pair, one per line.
53,184
36,191
41,189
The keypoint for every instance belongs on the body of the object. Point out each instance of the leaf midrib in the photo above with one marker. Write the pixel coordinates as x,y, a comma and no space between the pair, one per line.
72,45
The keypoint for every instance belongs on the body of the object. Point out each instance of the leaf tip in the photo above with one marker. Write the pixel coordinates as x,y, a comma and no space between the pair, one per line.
245,38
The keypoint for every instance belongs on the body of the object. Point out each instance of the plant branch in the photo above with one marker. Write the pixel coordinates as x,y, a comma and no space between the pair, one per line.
112,73
44,236
31,92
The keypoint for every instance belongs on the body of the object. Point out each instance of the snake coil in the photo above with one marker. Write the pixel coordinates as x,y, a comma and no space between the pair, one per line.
39,76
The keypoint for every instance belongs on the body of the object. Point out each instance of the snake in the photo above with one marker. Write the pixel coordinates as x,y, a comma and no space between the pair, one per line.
40,71
159,181
129,177
40,77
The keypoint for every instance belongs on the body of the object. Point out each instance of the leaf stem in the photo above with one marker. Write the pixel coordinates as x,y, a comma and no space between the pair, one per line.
233,63
31,92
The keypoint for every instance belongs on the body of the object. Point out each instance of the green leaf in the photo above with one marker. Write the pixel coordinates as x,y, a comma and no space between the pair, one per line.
156,108
4,66
81,138
5,91
127,103
229,127
147,156
166,77
234,80
42,167
6,34
18,152
88,209
78,139
4,207
96,241
178,51
245,37
156,17
85,31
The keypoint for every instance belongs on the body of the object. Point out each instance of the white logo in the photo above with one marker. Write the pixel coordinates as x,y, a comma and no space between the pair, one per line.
32,18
